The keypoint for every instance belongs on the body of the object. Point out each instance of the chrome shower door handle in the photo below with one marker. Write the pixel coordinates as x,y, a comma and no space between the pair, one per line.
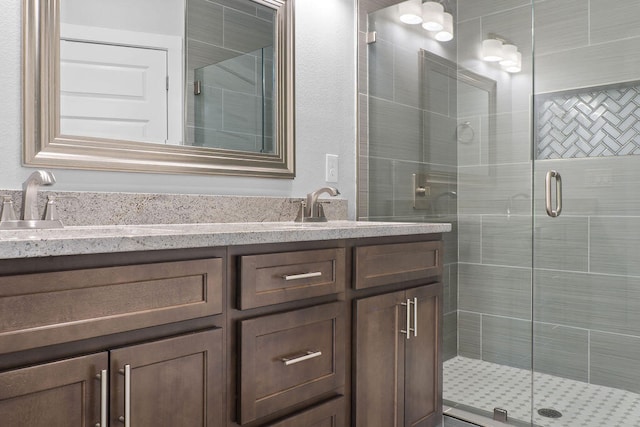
553,213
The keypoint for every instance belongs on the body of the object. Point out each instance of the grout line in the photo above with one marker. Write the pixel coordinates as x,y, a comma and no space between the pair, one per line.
589,357
589,244
504,266
481,339
589,23
481,221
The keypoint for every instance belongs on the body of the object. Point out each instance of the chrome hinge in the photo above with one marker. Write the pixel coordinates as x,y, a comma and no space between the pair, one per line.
371,37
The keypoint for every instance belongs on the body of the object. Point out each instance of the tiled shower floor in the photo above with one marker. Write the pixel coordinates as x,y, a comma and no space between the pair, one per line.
485,385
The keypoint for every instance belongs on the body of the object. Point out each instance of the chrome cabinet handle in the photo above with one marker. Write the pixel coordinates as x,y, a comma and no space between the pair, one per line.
102,376
302,276
310,354
415,316
408,329
126,419
553,213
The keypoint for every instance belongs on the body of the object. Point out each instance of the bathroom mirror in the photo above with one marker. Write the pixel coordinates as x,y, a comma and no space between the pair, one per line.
194,86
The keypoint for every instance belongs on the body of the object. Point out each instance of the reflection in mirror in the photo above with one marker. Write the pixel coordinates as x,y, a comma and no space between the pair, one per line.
233,76
121,70
209,83
425,115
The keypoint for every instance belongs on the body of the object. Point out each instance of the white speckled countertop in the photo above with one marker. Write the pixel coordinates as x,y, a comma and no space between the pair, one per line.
124,238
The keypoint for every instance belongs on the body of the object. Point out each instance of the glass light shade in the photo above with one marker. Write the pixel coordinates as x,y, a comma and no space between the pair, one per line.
509,51
410,12
447,31
492,50
517,67
432,16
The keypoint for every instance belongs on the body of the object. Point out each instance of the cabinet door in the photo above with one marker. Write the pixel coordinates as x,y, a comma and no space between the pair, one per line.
58,394
423,380
173,382
379,369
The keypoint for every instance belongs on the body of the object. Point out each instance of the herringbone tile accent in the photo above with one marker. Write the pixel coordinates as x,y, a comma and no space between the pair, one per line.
597,123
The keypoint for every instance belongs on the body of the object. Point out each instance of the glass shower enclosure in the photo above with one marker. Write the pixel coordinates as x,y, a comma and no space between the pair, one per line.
534,159
234,104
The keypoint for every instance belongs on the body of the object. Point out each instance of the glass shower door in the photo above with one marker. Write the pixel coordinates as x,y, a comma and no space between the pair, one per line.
586,278
491,373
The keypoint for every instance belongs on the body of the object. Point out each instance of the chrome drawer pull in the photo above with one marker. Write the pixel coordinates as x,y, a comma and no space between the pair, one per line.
306,356
302,276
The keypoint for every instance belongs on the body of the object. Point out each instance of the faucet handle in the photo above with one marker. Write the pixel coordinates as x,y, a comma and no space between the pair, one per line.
50,210
320,210
301,209
8,211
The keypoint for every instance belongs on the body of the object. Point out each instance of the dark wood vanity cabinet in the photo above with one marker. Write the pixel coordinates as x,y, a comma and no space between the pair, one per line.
291,335
397,340
397,367
175,382
305,334
150,360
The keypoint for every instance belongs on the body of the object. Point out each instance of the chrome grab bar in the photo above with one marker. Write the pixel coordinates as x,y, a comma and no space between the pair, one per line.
302,276
553,213
310,354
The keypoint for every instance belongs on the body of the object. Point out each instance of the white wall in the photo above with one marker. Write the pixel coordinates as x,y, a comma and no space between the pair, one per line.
325,115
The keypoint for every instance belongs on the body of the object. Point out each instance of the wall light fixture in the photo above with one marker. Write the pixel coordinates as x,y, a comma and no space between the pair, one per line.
432,16
410,12
496,49
446,33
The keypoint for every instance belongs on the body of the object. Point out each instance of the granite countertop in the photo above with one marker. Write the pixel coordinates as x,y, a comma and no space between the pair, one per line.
106,239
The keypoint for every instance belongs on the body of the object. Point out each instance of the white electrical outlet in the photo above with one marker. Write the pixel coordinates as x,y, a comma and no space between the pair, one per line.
331,171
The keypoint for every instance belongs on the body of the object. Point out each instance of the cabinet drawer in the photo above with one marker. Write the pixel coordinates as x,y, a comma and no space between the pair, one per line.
290,357
288,276
50,308
328,414
384,264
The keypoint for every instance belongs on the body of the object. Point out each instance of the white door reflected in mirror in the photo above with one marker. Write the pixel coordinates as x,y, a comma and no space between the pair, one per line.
109,91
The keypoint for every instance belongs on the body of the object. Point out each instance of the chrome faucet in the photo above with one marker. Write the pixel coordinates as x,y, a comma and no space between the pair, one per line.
30,217
311,210
30,193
